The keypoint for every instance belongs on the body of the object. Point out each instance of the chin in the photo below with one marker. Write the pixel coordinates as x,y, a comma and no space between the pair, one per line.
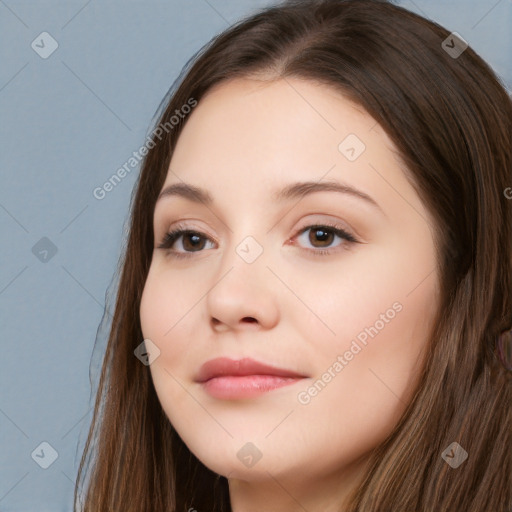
240,459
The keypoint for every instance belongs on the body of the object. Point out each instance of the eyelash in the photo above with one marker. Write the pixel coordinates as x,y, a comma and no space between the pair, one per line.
171,237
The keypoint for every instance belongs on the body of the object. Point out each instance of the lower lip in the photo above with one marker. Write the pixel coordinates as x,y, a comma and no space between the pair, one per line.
233,387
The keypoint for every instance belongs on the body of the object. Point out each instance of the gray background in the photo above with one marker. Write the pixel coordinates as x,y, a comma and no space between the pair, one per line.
68,123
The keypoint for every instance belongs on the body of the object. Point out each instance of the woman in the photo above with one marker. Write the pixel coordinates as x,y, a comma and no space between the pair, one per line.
319,264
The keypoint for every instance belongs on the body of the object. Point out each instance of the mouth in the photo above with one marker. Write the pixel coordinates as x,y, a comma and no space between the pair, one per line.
230,379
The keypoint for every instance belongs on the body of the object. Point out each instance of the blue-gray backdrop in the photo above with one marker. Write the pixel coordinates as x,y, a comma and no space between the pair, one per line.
79,84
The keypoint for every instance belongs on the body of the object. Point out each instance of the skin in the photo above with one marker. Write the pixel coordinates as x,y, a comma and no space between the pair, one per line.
289,308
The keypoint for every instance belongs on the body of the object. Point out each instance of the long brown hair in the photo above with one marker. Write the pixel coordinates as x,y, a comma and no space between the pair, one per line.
451,120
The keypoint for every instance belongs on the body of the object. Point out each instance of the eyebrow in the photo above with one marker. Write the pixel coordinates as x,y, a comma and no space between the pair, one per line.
293,191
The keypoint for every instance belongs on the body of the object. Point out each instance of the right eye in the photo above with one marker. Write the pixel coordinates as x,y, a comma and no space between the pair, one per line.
191,241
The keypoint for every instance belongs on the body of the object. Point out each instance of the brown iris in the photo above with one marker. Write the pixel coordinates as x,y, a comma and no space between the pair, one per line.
193,241
320,235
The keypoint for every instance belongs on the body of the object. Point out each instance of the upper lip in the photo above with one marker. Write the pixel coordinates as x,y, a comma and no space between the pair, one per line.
224,366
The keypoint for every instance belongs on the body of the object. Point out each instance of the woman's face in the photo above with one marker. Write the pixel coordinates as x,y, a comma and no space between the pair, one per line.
349,313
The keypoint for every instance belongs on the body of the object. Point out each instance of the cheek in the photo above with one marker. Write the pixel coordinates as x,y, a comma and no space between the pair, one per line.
369,288
164,309
364,395
341,301
377,315
163,317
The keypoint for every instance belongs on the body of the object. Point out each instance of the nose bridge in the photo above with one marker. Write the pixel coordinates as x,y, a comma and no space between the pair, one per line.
246,240
250,250
244,257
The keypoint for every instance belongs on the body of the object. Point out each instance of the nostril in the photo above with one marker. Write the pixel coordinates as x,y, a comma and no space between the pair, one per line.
249,319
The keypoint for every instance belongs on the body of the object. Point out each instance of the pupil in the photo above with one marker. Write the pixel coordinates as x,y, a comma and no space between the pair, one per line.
189,244
321,235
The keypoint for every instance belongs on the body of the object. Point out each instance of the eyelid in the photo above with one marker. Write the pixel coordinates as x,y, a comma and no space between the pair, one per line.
179,229
333,224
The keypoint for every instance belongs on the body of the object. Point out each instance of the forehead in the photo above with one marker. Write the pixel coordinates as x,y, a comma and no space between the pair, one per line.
291,108
275,125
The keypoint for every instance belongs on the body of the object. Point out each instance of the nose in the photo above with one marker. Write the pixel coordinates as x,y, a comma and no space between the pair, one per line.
243,294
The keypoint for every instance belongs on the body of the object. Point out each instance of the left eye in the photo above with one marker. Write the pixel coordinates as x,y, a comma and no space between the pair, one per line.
324,236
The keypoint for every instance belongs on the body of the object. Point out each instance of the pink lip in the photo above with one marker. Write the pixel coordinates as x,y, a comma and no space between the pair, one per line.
229,379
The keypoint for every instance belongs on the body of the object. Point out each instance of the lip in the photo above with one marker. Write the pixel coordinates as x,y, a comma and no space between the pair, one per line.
244,378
